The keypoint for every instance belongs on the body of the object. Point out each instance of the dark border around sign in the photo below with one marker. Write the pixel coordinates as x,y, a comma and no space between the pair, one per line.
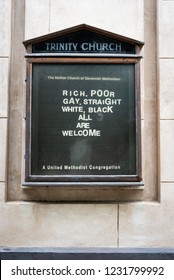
134,180
40,253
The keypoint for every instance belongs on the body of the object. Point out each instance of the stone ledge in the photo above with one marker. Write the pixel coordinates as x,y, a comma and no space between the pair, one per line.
47,253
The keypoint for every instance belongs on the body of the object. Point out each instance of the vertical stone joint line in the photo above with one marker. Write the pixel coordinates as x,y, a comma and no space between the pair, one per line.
49,27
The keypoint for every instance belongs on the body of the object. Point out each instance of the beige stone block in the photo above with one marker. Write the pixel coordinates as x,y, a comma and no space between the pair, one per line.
148,224
150,153
142,87
167,150
58,225
5,23
166,88
3,86
122,17
166,28
2,192
3,138
36,18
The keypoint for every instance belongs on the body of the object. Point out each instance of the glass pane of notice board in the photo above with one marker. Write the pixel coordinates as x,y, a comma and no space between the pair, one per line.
83,121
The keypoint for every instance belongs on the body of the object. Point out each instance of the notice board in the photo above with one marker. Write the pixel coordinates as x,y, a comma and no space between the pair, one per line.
83,109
